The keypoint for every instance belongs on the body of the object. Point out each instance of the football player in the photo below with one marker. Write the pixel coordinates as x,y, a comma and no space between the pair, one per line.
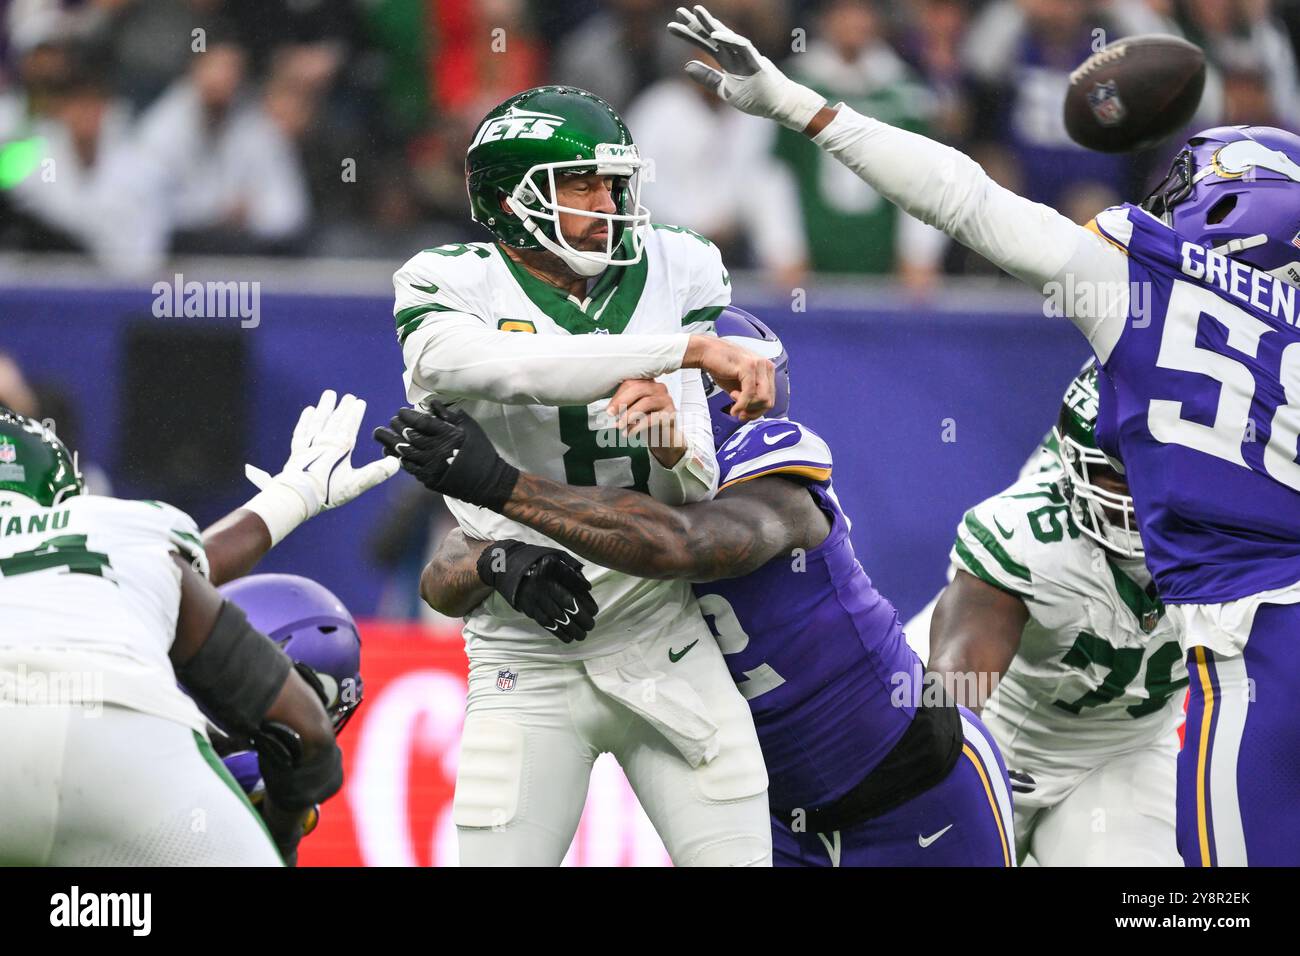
867,768
320,637
1189,303
1052,606
104,761
535,334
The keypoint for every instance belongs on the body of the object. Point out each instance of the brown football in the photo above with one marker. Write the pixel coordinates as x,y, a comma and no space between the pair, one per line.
1135,92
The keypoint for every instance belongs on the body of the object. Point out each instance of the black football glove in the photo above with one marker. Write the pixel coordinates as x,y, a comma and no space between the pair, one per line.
448,452
546,584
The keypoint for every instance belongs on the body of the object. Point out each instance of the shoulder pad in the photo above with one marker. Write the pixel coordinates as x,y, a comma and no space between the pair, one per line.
153,522
993,539
698,271
1113,225
451,278
770,446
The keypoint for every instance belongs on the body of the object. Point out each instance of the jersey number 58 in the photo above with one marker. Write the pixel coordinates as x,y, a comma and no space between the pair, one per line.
1231,429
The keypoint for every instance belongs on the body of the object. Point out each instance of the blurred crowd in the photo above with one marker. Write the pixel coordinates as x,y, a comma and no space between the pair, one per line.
131,130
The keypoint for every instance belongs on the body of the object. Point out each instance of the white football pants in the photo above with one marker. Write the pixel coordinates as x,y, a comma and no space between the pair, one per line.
116,787
1121,814
527,752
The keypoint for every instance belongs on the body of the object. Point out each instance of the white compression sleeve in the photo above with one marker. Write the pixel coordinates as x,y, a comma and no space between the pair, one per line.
948,190
463,359
695,476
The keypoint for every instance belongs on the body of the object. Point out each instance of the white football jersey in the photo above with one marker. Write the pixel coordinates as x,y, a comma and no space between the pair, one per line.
680,285
1100,670
89,591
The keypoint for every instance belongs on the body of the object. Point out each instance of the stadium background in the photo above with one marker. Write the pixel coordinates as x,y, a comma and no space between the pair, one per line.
932,377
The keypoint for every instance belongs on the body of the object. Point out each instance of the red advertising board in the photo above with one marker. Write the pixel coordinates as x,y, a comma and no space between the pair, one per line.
400,752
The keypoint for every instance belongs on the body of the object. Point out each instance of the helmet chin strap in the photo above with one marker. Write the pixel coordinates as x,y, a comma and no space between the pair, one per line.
576,261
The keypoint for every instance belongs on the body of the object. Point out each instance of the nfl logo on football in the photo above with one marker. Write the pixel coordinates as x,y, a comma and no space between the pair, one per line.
1105,103
506,680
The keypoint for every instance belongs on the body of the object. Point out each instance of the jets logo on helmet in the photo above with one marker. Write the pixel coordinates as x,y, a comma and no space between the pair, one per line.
523,149
517,124
1105,515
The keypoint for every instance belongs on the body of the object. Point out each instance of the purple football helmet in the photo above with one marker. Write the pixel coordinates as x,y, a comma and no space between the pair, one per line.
739,327
312,626
1236,189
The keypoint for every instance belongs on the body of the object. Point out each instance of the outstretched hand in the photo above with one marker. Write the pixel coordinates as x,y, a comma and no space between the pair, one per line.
748,80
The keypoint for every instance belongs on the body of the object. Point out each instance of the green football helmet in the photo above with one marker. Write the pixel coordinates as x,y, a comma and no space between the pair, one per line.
34,463
1093,508
519,149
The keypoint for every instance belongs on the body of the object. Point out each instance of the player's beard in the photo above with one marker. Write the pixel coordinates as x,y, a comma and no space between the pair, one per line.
554,269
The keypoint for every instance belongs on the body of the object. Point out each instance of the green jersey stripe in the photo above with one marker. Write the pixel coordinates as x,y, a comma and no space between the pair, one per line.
1135,597
986,537
609,306
187,537
410,319
973,565
222,771
707,314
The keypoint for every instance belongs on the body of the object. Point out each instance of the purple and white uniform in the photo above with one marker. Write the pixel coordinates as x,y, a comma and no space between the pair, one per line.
833,687
1201,401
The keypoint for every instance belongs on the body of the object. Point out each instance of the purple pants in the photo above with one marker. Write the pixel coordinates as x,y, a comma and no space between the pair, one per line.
963,821
1239,769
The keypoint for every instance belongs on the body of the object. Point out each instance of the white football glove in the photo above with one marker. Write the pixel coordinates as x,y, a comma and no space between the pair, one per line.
751,83
319,473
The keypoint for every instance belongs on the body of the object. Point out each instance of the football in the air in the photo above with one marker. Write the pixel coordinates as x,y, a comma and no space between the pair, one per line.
1133,93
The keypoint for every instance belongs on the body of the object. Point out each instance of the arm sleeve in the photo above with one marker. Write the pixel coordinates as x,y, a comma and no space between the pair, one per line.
695,476
458,357
948,190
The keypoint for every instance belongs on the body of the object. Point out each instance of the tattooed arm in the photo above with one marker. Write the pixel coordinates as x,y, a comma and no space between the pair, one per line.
450,583
736,533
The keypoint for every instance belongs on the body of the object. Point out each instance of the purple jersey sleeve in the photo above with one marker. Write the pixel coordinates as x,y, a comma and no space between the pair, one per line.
771,446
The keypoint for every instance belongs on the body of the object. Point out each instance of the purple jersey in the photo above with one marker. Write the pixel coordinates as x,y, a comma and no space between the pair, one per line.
1200,398
244,767
814,648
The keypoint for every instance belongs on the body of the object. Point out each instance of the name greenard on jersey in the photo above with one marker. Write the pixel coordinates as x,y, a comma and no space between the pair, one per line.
24,686
179,299
1249,286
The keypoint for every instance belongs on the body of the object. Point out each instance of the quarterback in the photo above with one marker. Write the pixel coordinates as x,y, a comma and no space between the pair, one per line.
1199,382
866,769
1050,593
581,298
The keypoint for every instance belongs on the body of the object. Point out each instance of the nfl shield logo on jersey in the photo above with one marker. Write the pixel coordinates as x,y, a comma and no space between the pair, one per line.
8,451
1149,620
506,680
1105,102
